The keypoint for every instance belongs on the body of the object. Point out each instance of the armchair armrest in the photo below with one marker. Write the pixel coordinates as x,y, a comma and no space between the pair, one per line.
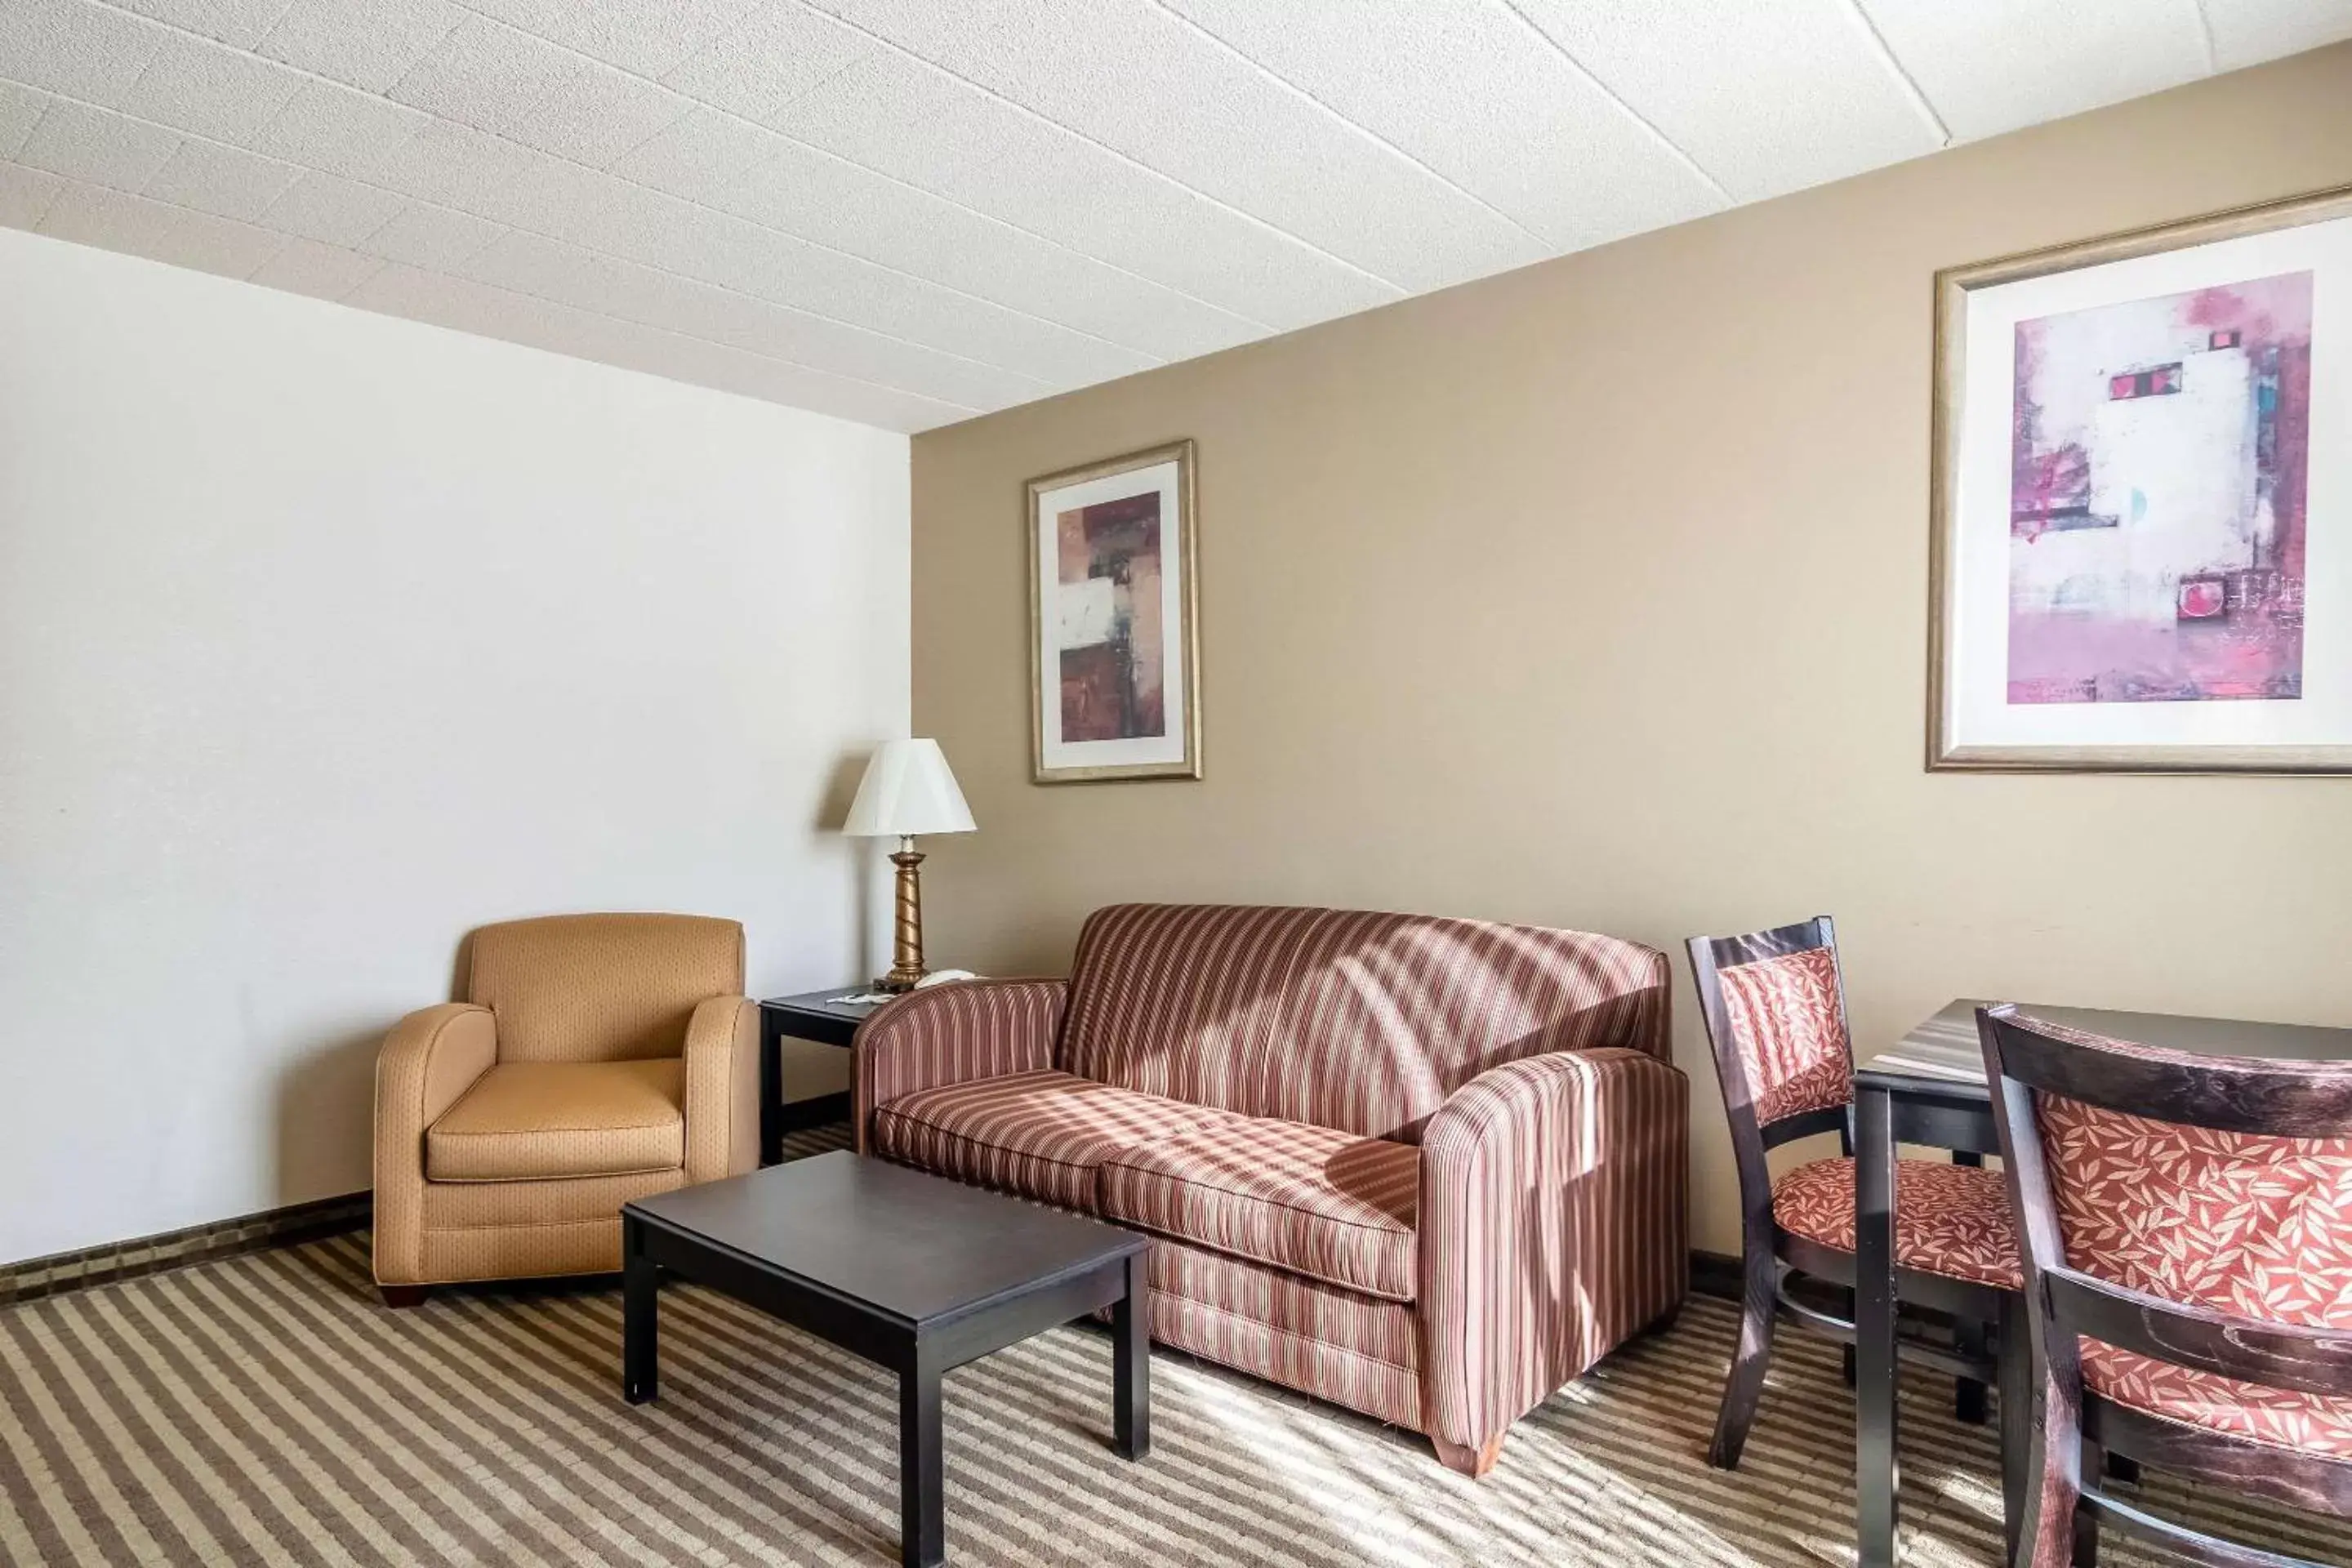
722,1089
1552,1226
431,1057
954,1034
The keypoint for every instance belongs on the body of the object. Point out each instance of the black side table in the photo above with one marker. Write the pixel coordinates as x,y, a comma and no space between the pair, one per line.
811,1015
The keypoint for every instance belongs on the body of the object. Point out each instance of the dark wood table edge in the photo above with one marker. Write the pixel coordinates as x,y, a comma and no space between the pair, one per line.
921,1351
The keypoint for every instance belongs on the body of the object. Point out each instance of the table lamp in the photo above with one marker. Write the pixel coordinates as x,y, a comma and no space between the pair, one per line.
907,790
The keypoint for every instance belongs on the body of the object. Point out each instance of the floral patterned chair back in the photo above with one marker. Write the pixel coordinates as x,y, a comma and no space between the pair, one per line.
2187,1222
1786,1011
2255,1224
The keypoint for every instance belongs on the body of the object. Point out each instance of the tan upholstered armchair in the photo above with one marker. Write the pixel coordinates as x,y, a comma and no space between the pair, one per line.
597,1058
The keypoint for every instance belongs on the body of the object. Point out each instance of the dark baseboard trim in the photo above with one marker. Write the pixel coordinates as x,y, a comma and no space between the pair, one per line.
1715,1274
1711,1273
38,1277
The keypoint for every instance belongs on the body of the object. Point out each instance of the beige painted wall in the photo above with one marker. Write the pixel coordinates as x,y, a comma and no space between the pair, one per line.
1595,595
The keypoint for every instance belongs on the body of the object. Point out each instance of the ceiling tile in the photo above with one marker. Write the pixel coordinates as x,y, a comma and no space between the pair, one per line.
733,254
1438,81
823,198
97,146
227,181
20,111
328,126
452,164
1767,96
702,154
759,67
905,118
25,195
1995,65
217,244
239,22
487,75
1136,78
368,44
75,46
470,306
94,214
423,235
647,37
332,210
2248,32
196,85
574,276
1090,200
597,113
307,266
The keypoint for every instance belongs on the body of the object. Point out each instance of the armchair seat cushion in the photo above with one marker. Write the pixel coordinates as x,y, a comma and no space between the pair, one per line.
1040,1134
1331,1205
526,1121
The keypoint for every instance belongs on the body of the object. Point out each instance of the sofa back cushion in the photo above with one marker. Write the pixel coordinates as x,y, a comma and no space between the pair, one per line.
601,988
1356,1021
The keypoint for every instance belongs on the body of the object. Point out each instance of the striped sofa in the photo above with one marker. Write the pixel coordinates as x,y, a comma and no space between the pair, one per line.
1429,1169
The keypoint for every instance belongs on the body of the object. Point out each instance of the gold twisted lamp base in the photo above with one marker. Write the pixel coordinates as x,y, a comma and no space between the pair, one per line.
906,947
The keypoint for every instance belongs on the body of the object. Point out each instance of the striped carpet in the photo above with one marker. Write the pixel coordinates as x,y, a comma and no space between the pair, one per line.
265,1410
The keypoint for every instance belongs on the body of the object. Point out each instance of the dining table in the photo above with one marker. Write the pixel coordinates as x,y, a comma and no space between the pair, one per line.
1929,1089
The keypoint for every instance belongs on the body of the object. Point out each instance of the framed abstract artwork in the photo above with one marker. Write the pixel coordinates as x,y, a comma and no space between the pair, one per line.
1113,646
2142,547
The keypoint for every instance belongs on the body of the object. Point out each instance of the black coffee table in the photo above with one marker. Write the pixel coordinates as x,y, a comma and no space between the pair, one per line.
911,1272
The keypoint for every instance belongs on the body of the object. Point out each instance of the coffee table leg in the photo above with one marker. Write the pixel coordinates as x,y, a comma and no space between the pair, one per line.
1130,1332
640,1303
922,1506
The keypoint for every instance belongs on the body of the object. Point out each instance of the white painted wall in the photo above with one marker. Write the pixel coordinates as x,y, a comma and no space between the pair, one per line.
325,636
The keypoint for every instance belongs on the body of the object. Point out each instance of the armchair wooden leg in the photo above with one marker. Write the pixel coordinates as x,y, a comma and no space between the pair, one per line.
1472,1462
402,1296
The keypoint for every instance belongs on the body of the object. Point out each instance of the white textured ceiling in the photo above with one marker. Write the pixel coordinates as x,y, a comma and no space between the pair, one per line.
905,212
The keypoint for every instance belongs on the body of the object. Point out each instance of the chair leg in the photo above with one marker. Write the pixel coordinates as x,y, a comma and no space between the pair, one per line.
2051,1533
2015,1349
1750,1359
1967,1395
2086,1552
402,1295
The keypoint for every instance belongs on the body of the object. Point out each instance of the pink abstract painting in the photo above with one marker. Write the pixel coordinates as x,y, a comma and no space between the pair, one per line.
2158,461
1108,630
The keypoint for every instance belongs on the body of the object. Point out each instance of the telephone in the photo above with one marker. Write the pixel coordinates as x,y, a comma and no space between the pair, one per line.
941,976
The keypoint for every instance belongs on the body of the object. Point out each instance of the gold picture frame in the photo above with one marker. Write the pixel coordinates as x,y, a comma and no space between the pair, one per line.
1145,495
1956,523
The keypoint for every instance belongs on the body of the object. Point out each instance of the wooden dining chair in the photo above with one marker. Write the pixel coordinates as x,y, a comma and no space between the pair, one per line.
1774,1002
2188,1235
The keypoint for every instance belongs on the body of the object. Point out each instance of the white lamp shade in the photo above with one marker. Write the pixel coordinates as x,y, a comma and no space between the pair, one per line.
908,790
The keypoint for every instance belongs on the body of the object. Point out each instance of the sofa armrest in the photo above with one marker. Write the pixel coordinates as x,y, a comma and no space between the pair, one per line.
954,1034
1553,1225
430,1058
722,1089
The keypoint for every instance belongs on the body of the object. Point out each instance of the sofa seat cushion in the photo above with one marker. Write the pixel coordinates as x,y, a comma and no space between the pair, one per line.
1040,1134
525,1122
1330,1205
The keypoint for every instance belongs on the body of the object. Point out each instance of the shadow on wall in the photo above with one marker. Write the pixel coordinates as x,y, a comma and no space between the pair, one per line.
832,811
326,1119
325,1109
